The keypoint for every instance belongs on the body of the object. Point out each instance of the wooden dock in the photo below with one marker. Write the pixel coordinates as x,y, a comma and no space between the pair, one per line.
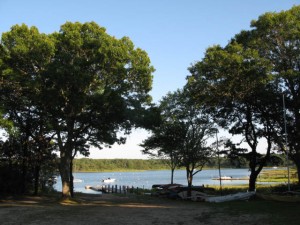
239,178
121,189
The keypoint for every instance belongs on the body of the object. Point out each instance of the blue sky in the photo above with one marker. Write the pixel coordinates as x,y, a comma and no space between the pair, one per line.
174,33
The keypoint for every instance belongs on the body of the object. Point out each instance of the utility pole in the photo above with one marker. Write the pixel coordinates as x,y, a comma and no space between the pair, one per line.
219,163
286,143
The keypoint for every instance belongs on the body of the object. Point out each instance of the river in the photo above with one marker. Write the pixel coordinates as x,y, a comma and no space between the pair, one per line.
145,179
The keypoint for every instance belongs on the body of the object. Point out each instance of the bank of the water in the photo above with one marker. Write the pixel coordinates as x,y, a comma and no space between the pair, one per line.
138,170
145,179
111,171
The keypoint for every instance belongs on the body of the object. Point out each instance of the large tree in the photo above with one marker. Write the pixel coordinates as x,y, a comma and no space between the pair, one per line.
231,83
90,85
182,134
25,54
243,83
197,127
164,143
277,38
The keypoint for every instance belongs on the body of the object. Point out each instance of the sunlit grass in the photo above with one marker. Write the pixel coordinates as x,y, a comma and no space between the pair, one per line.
279,175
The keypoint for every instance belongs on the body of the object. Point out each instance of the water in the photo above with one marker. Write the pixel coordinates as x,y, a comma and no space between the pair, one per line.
146,179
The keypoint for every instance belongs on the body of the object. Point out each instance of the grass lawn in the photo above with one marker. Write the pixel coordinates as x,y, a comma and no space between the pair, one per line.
277,213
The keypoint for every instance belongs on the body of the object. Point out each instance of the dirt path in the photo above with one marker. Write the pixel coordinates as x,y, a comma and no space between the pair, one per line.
110,209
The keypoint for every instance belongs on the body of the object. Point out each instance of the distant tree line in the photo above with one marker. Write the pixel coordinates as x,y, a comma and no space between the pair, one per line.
98,165
101,165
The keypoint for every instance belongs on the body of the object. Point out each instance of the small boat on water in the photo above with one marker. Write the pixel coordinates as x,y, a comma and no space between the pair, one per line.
77,180
109,180
223,178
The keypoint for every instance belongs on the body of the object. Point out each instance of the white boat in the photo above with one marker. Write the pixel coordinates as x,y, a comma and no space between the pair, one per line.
95,188
77,180
223,178
109,180
231,197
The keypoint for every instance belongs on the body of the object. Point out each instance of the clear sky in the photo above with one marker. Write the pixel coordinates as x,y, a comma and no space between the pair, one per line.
174,33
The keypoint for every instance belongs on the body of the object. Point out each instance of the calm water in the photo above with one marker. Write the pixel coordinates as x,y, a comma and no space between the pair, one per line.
146,179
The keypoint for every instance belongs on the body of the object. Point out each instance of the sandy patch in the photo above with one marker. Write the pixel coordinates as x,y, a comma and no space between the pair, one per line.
121,210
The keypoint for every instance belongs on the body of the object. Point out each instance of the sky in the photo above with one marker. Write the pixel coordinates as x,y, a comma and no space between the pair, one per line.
174,33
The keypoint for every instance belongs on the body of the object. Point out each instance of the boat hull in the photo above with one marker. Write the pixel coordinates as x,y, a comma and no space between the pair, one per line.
111,180
231,197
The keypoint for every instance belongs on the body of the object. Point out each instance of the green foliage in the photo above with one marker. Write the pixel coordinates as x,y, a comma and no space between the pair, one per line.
230,81
182,134
241,86
75,88
277,37
100,165
23,170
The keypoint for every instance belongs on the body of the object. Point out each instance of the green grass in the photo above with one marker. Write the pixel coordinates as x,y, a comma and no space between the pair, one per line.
277,176
272,212
278,213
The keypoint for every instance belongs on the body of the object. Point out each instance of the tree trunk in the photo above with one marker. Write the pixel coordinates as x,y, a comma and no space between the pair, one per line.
252,181
36,179
24,170
253,174
64,167
172,176
71,179
189,174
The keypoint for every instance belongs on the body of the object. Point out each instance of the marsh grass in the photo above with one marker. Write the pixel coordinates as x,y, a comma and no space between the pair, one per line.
261,188
278,182
280,175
